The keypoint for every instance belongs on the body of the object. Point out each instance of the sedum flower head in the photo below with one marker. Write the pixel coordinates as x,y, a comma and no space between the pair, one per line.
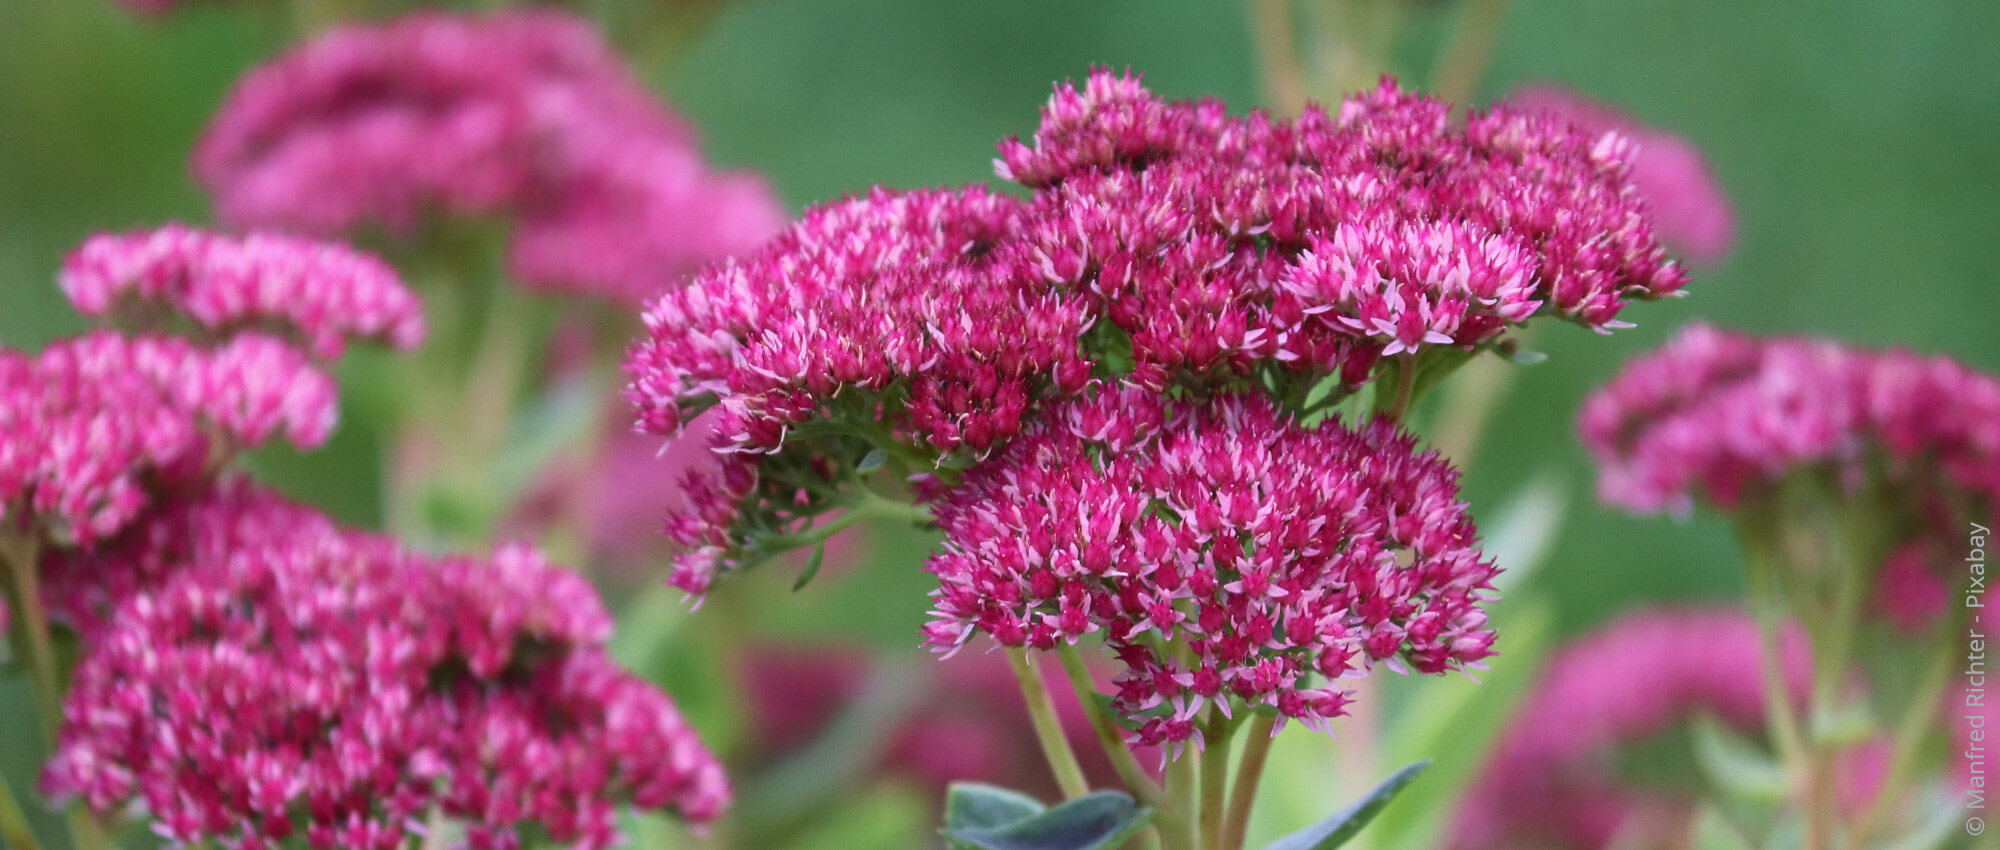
321,684
1165,245
527,115
322,292
1897,448
1690,210
1326,241
1281,558
93,427
1726,417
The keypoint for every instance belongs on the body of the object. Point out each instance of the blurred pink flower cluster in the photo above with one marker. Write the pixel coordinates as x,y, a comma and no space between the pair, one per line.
98,425
1725,416
318,682
1729,418
522,114
1553,781
1276,553
321,291
93,422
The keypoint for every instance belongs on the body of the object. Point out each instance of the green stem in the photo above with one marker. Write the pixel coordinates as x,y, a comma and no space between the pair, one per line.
1919,719
1278,56
867,506
1456,76
21,555
1214,777
1767,605
1406,385
1048,728
14,830
1177,813
1109,735
22,562
1256,748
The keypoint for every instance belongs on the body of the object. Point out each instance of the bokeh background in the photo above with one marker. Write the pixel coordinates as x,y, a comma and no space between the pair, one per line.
1856,139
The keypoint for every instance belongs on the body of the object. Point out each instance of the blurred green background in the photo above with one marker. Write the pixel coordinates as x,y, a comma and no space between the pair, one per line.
1857,139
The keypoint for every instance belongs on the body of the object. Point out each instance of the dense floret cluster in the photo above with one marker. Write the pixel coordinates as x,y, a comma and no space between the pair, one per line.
1283,558
1165,245
301,680
1725,417
92,427
324,293
524,114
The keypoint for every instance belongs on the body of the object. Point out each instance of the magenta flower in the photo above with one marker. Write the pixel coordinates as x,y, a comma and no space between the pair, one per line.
329,685
1215,241
1283,558
1730,418
1689,208
92,427
83,587
1552,784
1168,245
1725,416
637,218
325,293
523,114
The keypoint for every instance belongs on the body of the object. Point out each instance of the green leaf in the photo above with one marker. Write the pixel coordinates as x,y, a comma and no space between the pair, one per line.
812,567
1097,821
1347,823
976,805
1712,831
1459,720
1737,766
872,461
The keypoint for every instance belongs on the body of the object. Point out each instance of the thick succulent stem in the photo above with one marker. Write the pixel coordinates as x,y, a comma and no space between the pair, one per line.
1048,727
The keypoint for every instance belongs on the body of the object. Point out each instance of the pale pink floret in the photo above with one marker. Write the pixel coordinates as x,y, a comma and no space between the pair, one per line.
325,293
1689,208
95,424
524,114
1286,558
324,684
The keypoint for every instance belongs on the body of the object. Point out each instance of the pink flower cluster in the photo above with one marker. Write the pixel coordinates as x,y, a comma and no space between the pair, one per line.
1725,416
1283,558
908,292
525,114
1328,240
1689,208
1551,782
1166,243
93,426
325,293
301,680
1728,418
